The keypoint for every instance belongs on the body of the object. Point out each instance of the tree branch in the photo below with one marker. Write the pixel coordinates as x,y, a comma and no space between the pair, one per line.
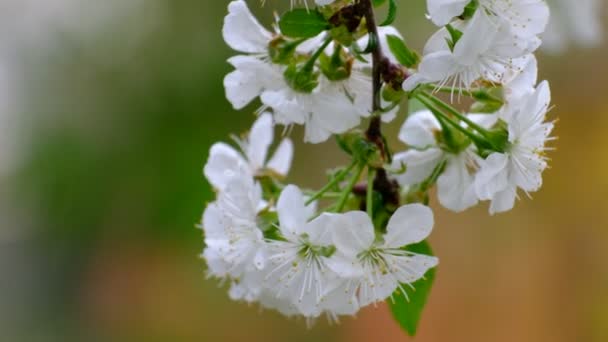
389,189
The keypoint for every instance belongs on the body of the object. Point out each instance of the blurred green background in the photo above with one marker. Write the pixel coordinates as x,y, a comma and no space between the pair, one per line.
108,110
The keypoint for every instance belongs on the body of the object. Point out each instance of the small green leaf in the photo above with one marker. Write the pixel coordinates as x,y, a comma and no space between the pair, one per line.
404,55
392,13
455,36
303,23
408,313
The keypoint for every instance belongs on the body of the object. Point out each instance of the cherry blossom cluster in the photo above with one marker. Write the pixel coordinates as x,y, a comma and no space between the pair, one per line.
361,239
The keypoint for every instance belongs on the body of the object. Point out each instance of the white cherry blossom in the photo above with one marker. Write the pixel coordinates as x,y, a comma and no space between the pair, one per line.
234,242
225,162
488,50
297,268
523,162
375,269
455,184
526,17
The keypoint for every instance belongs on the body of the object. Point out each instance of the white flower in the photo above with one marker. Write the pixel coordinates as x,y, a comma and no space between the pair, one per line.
335,106
297,269
254,71
442,12
488,50
332,107
326,111
526,17
234,242
375,269
523,162
455,184
225,162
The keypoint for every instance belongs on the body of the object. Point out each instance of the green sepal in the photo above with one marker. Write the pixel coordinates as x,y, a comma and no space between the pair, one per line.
402,52
470,10
302,79
282,50
455,36
393,95
338,66
362,150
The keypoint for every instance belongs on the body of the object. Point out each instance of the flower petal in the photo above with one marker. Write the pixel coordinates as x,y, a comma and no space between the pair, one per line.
455,186
223,164
242,31
353,233
419,130
410,224
419,165
260,138
292,212
282,158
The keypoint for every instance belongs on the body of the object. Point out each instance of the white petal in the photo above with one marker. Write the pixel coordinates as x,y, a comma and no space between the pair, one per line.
213,222
353,233
419,130
492,176
455,186
377,288
224,163
251,77
410,269
484,120
419,164
345,266
282,158
443,11
260,138
503,201
476,39
342,300
242,31
293,215
435,67
319,230
410,224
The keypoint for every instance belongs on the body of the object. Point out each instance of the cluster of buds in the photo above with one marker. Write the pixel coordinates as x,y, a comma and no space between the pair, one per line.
361,239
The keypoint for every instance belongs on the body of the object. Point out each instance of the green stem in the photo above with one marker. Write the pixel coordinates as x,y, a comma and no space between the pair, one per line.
444,118
349,188
438,102
337,179
473,93
313,59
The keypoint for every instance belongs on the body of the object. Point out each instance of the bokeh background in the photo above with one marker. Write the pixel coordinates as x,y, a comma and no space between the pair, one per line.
107,111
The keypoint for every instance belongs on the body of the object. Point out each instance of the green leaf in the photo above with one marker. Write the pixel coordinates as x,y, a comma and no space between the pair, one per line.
392,13
404,55
303,23
408,313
